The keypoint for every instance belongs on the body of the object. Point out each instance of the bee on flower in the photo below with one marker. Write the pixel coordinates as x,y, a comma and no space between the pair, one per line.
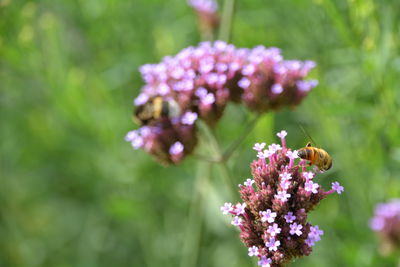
273,216
200,81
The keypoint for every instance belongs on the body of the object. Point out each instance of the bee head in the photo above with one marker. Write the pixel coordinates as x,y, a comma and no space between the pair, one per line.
302,153
327,164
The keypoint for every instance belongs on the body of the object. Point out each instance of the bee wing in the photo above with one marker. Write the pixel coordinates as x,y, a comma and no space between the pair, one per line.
309,136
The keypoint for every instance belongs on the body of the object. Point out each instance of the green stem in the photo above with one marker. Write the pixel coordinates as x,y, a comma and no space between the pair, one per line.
196,213
225,156
206,36
344,30
206,158
215,149
226,20
247,130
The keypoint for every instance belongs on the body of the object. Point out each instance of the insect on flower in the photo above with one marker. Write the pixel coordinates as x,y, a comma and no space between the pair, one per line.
316,156
200,81
273,217
154,109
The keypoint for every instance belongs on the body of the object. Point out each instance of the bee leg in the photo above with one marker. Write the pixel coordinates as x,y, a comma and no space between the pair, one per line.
308,144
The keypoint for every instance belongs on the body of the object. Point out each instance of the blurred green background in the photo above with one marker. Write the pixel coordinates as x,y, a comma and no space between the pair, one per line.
74,193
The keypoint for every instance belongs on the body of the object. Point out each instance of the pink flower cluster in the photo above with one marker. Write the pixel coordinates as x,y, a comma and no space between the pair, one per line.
207,14
206,6
169,140
273,216
386,222
202,80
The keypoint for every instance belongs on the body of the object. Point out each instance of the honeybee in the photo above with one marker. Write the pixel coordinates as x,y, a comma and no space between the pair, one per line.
316,156
155,108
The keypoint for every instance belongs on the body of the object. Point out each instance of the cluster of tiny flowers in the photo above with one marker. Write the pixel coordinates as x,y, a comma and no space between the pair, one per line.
386,222
203,79
206,6
273,216
207,14
169,140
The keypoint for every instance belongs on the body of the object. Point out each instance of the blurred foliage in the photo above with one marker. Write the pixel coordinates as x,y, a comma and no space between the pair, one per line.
73,193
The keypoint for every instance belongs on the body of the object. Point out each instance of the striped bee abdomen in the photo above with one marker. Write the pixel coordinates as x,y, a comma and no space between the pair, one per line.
316,156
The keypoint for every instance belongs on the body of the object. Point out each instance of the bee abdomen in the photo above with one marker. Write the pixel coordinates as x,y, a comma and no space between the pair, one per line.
165,109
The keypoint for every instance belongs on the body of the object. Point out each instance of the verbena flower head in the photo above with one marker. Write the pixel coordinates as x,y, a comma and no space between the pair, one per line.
207,6
168,140
274,212
202,80
207,14
386,222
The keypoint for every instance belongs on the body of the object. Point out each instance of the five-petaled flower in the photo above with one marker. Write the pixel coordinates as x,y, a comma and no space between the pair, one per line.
285,176
249,182
176,148
264,262
282,196
273,230
289,217
337,187
273,244
273,148
226,208
253,251
308,175
189,118
282,134
310,186
295,229
292,154
237,221
267,216
261,155
285,184
259,147
240,208
314,235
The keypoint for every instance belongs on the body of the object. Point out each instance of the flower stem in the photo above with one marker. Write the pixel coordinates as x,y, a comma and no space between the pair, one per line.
193,230
207,36
329,192
226,20
225,156
215,149
247,130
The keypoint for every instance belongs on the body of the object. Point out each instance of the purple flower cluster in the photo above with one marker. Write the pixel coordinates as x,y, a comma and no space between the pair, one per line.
206,6
169,140
202,80
273,216
386,222
207,14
